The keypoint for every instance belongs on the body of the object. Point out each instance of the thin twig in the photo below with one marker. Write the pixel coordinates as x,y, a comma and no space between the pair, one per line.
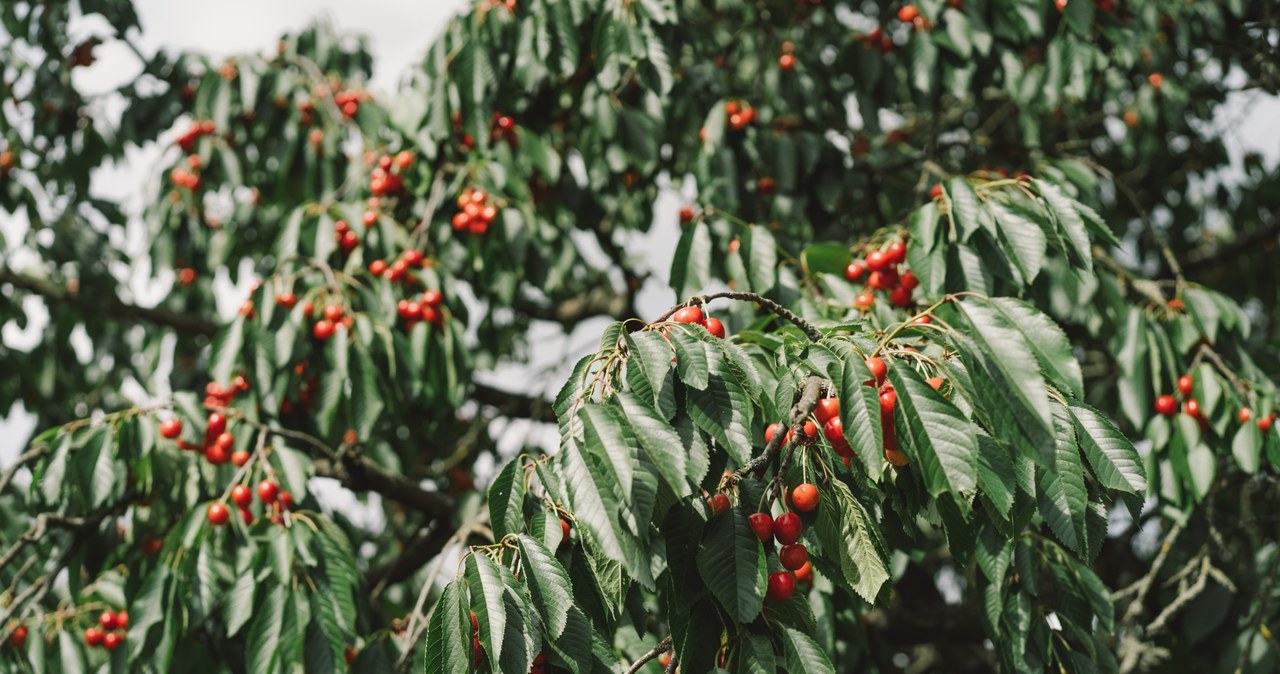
662,647
811,332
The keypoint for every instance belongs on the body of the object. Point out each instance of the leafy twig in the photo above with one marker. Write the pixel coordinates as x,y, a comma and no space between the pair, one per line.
811,332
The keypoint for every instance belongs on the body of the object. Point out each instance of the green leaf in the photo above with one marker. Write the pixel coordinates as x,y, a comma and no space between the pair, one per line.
691,265
1114,460
762,256
1246,447
485,582
724,411
939,438
964,211
860,410
1024,240
658,440
548,585
802,654
227,345
239,606
652,353
506,501
1061,486
996,473
1064,210
825,258
366,399
103,479
731,562
848,534
449,632
692,357
1047,341
756,655
264,635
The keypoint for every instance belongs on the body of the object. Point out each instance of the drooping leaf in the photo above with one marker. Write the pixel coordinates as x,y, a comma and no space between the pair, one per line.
731,562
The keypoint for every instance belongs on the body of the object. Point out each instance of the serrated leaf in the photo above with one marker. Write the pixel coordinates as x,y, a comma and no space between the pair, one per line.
1068,218
762,258
731,562
1246,447
652,353
549,585
996,476
239,605
938,436
691,264
802,654
262,649
1114,459
1047,341
449,632
658,440
692,357
1025,241
849,535
1061,486
485,582
227,345
506,500
860,410
724,411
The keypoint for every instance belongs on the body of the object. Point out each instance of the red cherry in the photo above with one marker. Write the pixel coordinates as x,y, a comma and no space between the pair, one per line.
827,408
878,368
688,315
1156,80
246,516
877,261
715,327
770,430
935,192
781,586
686,214
935,382
477,651
286,299
268,490
804,574
896,457
112,640
286,500
171,428
378,267
1192,407
720,503
854,271
216,454
122,620
432,298
308,309
864,301
1245,415
412,257
1166,405
1264,424
888,399
432,315
224,441
349,654
369,218
787,528
834,430
108,621
882,280
18,638
793,556
475,624
241,495
564,531
762,524
897,252
908,13
323,329
900,297
804,497
1186,384
218,514
909,281
1175,304
333,312
92,636
239,458
786,61
216,424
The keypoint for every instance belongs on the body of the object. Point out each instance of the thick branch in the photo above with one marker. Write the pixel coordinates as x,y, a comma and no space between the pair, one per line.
600,300
513,404
811,332
802,409
111,306
1229,253
417,551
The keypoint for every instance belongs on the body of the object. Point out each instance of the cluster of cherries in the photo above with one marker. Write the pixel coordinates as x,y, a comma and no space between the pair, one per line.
346,238
218,442
740,115
332,317
349,100
503,127
274,500
475,213
880,269
425,308
386,177
112,632
694,316
1167,405
189,179
786,530
910,15
188,139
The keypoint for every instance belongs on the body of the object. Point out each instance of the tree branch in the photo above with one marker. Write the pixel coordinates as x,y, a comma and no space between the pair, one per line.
1229,253
599,300
513,404
811,332
662,647
111,305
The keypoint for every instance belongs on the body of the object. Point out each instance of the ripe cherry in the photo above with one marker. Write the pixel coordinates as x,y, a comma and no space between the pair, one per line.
1156,80
882,280
715,327
896,457
241,496
1175,304
827,408
900,297
787,528
877,260
475,624
786,61
323,329
1264,424
720,503
804,497
239,458
217,454
888,399
935,192
1166,405
897,252
834,430
564,531
349,654
92,636
762,524
216,424
1186,384
908,13
686,214
112,640
864,301
878,368
781,586
688,315
909,281
378,267
1192,407
286,299
108,621
268,490
770,431
122,620
1245,415
286,500
412,257
793,556
804,574
218,514
333,312
18,638
854,271
245,516
477,651
934,382
171,428
432,298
